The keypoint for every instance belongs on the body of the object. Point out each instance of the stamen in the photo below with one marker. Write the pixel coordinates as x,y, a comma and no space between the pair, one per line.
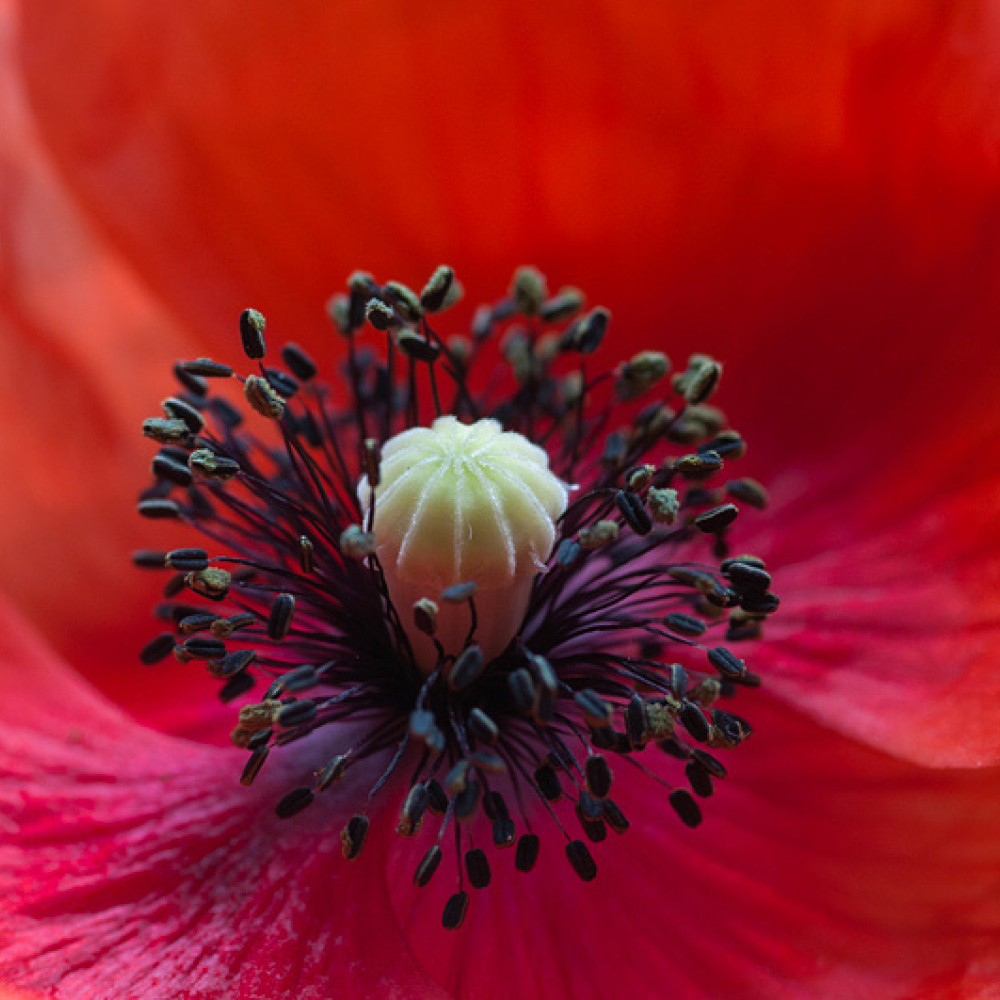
439,291
294,802
194,384
354,835
279,621
252,334
455,910
170,430
717,518
157,649
526,854
598,776
477,866
263,398
685,807
206,368
480,556
700,779
726,663
466,669
178,409
528,290
253,765
428,866
167,467
582,860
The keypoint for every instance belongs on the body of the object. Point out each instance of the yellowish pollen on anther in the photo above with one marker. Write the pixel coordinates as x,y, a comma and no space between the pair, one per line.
461,503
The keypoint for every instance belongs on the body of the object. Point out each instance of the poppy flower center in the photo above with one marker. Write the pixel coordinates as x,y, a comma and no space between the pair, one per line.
476,568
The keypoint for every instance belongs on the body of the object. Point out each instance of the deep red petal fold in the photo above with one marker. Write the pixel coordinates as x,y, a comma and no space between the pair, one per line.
85,352
890,625
133,864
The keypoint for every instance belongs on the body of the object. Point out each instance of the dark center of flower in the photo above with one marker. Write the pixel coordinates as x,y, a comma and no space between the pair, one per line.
501,567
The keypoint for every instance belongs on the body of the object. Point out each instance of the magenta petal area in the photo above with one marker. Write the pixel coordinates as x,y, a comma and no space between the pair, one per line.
889,629
822,868
136,865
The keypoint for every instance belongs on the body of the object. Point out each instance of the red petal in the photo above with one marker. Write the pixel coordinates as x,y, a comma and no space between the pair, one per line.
822,868
135,864
807,220
84,356
890,627
729,174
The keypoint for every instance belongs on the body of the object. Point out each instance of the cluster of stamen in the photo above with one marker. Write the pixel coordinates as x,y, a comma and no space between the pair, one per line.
620,644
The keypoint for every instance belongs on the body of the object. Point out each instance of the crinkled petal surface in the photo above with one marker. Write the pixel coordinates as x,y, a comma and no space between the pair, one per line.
889,630
132,864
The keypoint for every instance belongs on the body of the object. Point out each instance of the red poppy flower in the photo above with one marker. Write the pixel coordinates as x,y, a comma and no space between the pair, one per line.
809,196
